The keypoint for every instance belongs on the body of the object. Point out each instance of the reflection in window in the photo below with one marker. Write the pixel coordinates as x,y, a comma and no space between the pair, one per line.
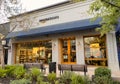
95,50
40,51
68,50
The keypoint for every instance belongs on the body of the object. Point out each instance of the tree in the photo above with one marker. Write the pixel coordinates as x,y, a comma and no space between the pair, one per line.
9,8
109,12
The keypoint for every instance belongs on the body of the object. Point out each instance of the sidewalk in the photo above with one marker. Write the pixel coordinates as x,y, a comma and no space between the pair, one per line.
115,75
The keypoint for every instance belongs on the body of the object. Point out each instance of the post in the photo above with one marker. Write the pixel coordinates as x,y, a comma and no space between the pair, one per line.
3,43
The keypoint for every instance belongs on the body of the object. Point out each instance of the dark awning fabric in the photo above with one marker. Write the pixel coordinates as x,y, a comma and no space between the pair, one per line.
58,28
118,27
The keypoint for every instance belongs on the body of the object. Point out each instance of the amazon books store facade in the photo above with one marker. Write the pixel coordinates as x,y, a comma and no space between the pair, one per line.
61,33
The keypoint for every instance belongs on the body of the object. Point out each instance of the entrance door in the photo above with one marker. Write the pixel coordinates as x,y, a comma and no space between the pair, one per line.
68,50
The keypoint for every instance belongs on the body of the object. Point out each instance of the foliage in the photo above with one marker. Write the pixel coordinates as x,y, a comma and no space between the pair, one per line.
35,72
3,73
20,81
28,75
9,7
104,80
109,11
52,76
40,80
10,70
103,71
78,79
66,76
19,71
77,0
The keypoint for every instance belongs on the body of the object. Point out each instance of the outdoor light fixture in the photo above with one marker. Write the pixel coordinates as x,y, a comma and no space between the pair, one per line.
3,42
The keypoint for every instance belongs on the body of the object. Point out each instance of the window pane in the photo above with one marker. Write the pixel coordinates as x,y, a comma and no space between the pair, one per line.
68,50
95,50
73,51
40,51
65,50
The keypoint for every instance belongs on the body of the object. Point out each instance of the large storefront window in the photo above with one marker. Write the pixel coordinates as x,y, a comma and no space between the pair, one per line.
95,50
68,50
40,51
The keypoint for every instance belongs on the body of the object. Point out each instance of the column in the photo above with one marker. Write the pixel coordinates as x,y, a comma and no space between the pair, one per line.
80,50
113,63
55,50
10,53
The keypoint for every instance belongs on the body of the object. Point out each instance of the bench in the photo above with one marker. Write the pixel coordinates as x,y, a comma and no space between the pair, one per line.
36,65
76,67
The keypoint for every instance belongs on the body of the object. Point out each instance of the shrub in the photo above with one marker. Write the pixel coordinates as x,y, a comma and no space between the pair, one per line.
10,70
66,77
35,72
7,71
78,79
51,76
20,81
103,71
19,72
40,80
103,80
3,73
28,75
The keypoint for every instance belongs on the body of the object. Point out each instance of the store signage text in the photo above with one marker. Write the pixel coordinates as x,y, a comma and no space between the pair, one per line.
49,18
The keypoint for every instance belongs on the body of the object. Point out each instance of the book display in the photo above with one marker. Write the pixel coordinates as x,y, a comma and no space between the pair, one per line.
34,53
68,51
95,51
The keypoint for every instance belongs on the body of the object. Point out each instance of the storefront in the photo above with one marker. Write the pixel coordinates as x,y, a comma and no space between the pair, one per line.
39,51
118,45
65,36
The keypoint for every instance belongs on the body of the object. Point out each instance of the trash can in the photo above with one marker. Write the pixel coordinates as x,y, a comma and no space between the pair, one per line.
52,67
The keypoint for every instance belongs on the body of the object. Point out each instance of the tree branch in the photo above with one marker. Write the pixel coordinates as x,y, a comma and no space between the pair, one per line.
10,31
111,4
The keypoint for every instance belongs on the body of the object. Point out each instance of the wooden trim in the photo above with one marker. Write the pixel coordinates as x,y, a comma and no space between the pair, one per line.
68,50
99,59
91,35
31,41
61,52
68,62
96,59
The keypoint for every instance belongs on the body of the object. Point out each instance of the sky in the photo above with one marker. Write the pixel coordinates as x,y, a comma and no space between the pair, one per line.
36,4
29,5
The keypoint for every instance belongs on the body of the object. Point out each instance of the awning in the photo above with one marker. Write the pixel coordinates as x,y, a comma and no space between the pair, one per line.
58,28
118,27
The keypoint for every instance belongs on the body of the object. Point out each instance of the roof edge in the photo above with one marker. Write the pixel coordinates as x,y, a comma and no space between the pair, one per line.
57,4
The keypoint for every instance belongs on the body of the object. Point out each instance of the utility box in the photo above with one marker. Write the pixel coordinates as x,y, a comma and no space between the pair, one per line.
52,67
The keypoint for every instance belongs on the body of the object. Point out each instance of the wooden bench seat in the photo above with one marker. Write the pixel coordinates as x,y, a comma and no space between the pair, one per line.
76,67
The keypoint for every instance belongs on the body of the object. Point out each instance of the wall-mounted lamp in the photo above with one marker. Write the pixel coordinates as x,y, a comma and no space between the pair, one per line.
7,47
79,43
54,44
3,42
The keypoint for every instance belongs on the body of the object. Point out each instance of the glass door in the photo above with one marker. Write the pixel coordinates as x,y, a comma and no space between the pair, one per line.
68,47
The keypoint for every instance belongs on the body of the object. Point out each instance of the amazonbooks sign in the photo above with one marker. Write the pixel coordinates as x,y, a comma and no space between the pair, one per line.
48,19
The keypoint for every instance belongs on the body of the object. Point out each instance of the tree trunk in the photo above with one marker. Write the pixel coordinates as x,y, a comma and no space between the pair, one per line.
2,55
